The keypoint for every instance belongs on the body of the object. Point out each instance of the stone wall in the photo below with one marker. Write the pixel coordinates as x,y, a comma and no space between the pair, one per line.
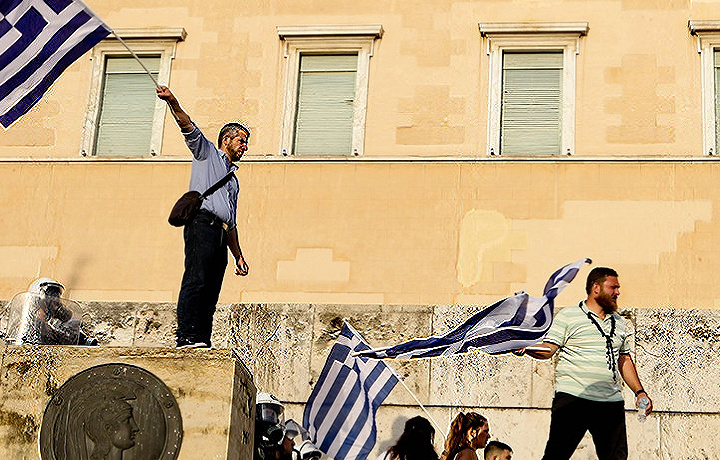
285,347
675,352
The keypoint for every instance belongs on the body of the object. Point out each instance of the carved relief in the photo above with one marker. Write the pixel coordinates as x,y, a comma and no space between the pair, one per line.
111,412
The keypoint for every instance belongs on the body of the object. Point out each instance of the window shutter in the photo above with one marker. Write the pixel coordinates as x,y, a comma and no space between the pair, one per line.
128,105
326,93
716,65
531,112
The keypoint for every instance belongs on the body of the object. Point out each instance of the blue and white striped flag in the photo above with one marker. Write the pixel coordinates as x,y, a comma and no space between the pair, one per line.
340,413
509,324
39,39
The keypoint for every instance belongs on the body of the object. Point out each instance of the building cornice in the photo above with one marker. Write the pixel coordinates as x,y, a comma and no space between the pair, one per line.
701,27
356,30
151,33
382,159
570,28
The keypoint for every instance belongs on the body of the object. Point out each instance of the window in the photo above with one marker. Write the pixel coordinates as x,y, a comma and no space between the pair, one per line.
127,106
531,102
326,92
326,84
531,96
124,118
708,42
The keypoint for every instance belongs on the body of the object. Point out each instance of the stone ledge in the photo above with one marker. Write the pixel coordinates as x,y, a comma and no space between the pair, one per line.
285,345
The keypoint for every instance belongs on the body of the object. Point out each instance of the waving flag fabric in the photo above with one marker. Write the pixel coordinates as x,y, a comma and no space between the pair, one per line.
512,323
340,413
39,39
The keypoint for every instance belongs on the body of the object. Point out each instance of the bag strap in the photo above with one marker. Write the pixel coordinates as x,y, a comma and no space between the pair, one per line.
216,186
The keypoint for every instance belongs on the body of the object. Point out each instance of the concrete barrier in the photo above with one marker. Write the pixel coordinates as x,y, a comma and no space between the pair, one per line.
186,404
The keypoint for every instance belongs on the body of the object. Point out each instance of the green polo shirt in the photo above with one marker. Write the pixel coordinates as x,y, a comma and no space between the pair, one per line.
582,368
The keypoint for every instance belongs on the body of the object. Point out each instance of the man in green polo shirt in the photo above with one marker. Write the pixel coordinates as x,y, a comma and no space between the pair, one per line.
594,354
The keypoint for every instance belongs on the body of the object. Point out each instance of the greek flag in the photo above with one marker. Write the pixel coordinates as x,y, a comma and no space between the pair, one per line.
509,324
340,413
39,39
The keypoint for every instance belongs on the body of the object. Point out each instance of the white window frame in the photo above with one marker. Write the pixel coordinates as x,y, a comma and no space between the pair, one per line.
532,37
331,39
143,42
707,35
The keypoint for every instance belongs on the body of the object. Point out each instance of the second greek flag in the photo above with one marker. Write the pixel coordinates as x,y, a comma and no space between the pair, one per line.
509,324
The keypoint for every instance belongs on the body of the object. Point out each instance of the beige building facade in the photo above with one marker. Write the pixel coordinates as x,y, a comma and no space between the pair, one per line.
465,150
437,200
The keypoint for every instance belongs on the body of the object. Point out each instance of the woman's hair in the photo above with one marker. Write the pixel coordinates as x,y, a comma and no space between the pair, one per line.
457,439
416,442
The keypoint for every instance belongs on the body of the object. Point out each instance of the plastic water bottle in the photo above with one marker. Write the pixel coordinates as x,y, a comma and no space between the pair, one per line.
642,405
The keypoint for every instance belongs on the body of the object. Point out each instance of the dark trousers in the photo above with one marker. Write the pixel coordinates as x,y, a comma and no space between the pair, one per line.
572,417
205,263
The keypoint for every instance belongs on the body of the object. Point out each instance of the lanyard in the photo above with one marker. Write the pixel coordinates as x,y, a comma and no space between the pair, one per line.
609,355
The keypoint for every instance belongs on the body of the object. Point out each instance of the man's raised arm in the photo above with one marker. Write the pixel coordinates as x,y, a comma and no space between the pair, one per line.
182,118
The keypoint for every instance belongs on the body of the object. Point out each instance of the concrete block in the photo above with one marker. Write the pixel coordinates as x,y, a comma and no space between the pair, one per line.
145,324
689,436
286,345
212,389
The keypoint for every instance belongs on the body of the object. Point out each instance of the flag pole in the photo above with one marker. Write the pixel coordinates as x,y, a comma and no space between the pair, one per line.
442,432
122,42
137,58
87,8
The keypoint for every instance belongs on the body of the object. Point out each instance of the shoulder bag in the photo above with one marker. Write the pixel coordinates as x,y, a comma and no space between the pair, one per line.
189,204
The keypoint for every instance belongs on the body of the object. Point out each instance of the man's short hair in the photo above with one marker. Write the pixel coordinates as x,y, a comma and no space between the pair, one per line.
598,275
495,447
232,129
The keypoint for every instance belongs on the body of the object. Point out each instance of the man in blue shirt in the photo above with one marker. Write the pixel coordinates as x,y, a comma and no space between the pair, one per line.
214,228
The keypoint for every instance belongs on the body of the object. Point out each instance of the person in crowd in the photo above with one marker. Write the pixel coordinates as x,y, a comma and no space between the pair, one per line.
307,451
468,433
496,450
415,443
594,355
274,439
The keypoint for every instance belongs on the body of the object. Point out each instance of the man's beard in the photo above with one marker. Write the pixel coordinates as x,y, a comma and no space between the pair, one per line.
607,302
233,154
